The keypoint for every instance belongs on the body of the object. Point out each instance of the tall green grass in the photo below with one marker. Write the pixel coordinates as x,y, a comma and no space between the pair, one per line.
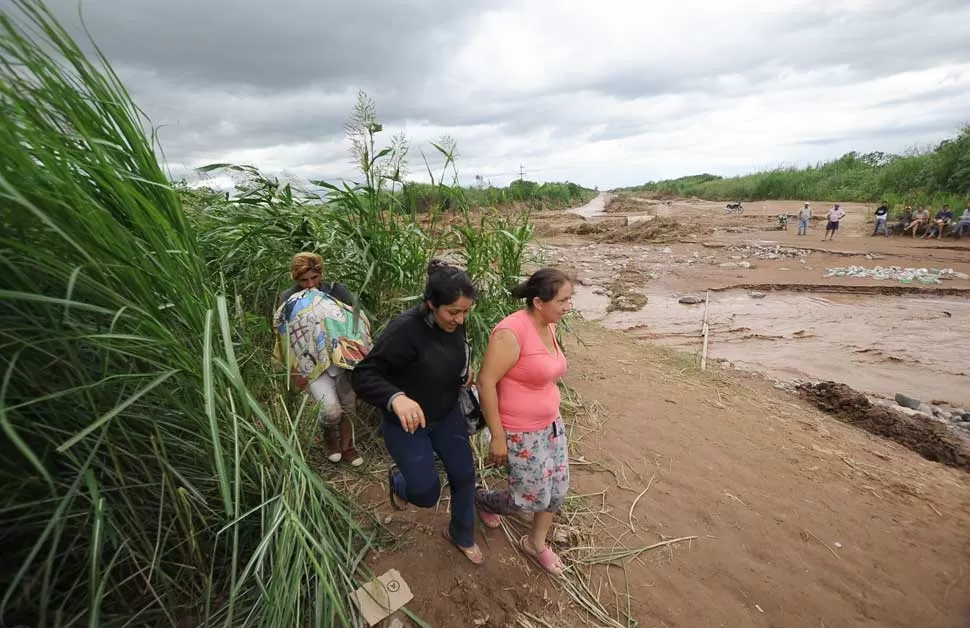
370,237
141,481
152,465
419,197
931,178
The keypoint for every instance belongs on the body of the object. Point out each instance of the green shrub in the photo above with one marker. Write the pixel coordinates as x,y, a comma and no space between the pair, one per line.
931,178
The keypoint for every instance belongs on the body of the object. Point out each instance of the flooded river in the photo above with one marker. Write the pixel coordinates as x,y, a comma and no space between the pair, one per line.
882,345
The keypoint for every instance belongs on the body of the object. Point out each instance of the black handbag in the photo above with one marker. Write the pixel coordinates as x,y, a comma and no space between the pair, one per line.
468,400
471,409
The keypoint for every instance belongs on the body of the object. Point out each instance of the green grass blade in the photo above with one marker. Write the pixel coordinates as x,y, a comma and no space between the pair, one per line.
158,381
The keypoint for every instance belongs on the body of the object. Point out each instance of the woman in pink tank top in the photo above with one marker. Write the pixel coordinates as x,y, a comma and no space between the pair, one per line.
519,395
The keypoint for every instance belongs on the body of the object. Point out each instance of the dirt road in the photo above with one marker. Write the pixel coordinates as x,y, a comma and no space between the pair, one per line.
594,208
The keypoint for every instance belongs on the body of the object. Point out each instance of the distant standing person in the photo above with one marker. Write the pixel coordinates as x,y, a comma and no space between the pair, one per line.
882,216
520,399
804,215
835,215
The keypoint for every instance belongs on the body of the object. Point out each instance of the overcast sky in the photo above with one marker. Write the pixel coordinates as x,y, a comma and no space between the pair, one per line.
606,93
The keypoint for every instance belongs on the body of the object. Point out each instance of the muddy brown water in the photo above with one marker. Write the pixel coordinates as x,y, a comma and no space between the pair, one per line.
880,345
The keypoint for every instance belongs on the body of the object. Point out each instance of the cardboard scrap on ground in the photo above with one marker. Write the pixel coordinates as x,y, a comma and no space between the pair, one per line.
383,595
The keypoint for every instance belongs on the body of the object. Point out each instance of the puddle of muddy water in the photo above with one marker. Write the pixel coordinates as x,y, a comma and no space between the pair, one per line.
876,344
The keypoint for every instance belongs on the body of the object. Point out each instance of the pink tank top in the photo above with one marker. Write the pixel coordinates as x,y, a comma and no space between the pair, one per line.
528,398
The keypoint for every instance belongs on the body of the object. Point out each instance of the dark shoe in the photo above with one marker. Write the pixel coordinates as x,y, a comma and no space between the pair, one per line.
331,440
350,455
347,443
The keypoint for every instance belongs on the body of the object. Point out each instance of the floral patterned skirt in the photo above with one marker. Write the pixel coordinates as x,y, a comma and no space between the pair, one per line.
538,472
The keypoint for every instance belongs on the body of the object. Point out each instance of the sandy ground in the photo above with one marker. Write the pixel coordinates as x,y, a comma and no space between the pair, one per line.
791,518
800,520
758,508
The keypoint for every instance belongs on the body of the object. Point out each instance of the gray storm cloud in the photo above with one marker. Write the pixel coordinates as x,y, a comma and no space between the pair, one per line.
249,78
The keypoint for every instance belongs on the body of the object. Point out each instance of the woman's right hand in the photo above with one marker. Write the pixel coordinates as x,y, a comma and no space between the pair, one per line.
408,412
498,449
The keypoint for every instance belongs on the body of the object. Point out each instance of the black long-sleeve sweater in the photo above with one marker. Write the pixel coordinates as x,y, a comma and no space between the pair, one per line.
414,356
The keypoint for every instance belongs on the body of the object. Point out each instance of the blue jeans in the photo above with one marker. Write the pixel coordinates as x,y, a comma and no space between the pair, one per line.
881,225
416,479
803,226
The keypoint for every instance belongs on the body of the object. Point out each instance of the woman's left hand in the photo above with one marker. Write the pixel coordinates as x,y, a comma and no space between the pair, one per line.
499,451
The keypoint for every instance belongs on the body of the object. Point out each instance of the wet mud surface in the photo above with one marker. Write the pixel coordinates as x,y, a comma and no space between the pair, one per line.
773,308
934,441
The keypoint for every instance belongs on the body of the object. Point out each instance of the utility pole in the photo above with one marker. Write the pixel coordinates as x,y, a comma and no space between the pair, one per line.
521,172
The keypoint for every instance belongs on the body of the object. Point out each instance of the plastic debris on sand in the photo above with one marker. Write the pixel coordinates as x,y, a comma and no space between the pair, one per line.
928,276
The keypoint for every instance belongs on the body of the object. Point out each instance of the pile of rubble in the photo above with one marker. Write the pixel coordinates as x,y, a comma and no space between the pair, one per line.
914,407
768,252
958,418
928,276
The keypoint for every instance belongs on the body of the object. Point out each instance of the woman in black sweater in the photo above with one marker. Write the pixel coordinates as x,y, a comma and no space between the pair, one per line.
414,375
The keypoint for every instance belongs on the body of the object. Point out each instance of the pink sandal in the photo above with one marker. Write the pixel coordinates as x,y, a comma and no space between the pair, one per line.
491,520
547,559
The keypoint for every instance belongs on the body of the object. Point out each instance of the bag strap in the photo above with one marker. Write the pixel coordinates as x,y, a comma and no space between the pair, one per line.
468,361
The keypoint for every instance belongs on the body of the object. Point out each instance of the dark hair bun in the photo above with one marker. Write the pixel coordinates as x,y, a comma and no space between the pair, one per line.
436,265
544,284
446,283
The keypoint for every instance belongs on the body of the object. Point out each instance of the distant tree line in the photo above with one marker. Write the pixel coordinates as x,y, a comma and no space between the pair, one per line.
932,178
